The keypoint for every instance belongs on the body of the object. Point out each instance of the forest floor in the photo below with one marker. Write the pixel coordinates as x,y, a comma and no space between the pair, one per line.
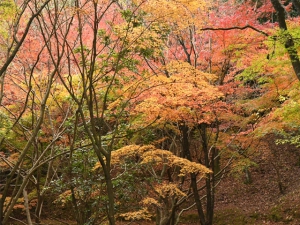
261,201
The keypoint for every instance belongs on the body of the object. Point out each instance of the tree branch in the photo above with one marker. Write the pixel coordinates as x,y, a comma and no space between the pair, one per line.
20,42
236,28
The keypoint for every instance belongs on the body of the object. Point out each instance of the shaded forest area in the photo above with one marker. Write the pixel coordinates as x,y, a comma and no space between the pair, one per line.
149,112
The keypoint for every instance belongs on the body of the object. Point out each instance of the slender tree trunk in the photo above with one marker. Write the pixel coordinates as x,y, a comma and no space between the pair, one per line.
39,205
1,209
248,177
111,203
289,42
173,214
186,153
18,164
110,191
105,165
26,205
224,71
208,181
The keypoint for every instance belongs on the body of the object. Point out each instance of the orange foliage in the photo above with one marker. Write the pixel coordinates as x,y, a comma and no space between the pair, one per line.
186,95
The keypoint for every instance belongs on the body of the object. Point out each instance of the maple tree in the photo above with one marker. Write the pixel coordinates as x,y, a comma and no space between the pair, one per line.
155,163
183,110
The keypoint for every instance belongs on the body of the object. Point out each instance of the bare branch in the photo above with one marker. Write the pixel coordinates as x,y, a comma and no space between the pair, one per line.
236,28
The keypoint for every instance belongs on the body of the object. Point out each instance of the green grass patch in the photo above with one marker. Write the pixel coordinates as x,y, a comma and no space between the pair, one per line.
234,217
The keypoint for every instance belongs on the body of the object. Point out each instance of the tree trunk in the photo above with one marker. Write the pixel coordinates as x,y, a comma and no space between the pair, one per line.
39,206
289,42
111,203
26,205
186,154
110,191
248,177
209,178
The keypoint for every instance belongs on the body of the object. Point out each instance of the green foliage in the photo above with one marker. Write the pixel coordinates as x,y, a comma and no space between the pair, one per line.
289,139
5,127
129,16
130,185
254,74
242,166
293,33
276,214
87,186
277,58
79,171
290,113
104,37
8,11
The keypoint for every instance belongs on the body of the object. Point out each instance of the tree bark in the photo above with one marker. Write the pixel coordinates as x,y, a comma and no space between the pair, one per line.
26,205
111,197
209,178
289,42
186,154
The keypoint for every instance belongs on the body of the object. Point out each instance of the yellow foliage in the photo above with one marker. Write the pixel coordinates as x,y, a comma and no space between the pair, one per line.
150,201
188,166
63,198
191,74
179,13
129,151
181,96
8,11
156,156
142,214
140,38
168,189
151,155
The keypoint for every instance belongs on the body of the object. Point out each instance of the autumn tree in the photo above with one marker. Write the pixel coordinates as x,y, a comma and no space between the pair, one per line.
185,95
182,102
162,198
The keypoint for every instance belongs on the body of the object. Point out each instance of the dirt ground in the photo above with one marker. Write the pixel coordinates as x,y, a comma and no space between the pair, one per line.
261,202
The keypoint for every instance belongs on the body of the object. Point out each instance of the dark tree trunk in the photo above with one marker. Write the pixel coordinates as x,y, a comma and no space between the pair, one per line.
209,179
296,4
289,42
187,154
